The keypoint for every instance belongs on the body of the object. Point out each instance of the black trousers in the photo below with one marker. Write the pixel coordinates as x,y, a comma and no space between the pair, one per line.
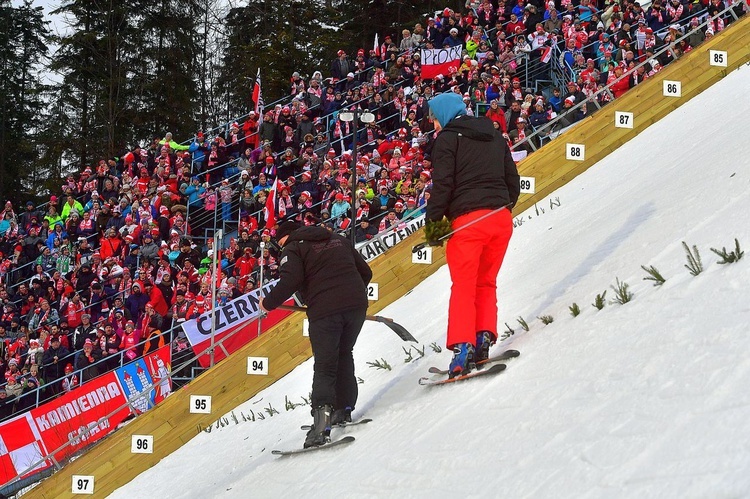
332,339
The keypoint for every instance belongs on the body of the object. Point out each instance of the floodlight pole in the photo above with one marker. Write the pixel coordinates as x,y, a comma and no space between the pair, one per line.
355,152
355,116
218,235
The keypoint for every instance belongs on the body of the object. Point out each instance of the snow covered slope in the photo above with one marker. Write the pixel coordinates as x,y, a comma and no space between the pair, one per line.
646,399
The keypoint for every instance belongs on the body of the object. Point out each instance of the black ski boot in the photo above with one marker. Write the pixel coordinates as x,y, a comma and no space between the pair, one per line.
341,416
485,339
320,433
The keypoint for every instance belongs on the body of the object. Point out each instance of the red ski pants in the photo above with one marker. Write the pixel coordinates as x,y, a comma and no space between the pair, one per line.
474,257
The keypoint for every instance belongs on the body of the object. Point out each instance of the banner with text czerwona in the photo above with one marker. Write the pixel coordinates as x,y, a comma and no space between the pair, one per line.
234,325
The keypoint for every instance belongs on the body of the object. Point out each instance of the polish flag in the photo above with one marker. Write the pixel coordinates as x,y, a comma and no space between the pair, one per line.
546,54
376,46
270,210
440,61
258,97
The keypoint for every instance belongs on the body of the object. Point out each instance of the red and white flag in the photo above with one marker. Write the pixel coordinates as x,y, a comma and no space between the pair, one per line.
258,97
546,54
270,210
440,61
376,47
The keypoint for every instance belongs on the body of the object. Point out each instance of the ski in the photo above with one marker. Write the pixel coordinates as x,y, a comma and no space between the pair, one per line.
340,425
494,369
346,440
506,355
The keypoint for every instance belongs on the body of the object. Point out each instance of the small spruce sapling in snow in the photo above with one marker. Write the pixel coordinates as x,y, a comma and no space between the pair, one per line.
523,324
600,301
575,310
546,319
730,257
380,364
289,405
420,352
694,264
622,295
653,275
270,410
507,333
409,356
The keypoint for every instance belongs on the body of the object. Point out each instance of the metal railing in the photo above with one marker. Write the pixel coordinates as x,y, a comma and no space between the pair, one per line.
40,394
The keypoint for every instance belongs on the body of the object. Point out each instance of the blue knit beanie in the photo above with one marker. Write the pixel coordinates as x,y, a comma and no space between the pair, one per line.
445,107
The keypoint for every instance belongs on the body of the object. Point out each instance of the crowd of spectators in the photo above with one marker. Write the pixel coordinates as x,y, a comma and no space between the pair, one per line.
117,256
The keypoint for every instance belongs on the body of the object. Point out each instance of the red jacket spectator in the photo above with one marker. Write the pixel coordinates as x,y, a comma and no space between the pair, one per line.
619,88
250,130
73,311
156,299
495,113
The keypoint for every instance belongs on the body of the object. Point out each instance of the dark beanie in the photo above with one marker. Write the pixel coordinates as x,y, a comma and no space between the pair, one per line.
286,228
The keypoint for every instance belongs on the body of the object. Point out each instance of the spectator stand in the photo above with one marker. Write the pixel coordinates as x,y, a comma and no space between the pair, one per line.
558,125
620,78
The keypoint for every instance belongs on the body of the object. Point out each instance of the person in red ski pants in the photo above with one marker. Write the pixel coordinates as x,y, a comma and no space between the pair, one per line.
475,185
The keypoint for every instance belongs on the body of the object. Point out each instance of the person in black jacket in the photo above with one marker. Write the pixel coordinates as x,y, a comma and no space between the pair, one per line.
86,361
54,360
475,184
332,278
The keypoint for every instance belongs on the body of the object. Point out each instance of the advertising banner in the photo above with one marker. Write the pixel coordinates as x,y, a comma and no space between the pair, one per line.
83,415
386,240
239,314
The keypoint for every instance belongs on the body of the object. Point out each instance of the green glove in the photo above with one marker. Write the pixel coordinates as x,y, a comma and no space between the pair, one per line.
435,230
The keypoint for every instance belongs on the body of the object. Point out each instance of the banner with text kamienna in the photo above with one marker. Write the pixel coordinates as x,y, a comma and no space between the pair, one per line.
238,311
386,240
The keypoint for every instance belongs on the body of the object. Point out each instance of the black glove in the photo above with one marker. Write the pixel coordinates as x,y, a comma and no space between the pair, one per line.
435,231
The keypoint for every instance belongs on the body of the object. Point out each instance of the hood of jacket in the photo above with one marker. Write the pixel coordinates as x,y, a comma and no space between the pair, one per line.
309,233
480,129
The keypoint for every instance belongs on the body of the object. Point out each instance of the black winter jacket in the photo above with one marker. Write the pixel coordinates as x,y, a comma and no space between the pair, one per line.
328,272
472,169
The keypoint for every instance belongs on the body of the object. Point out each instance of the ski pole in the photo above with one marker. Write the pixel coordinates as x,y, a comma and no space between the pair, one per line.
465,226
397,328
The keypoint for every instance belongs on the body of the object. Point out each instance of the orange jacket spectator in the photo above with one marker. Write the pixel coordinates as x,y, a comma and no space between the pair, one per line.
111,245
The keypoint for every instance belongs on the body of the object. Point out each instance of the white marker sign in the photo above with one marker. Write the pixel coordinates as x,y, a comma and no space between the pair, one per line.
575,152
372,291
528,185
257,366
623,119
200,404
142,444
672,88
83,484
423,256
717,58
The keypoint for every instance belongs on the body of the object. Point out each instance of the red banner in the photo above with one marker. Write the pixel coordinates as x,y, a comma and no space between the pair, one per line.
80,416
20,447
440,62
84,415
